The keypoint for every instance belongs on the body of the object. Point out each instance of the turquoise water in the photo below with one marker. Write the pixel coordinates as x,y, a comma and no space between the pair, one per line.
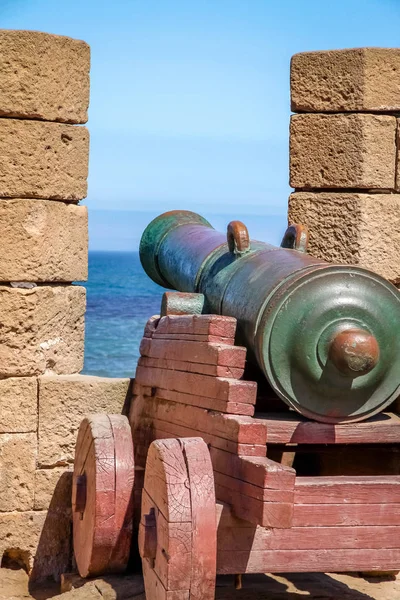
120,299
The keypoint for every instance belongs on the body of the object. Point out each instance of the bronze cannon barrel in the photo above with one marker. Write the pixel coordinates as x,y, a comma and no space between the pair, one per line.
326,336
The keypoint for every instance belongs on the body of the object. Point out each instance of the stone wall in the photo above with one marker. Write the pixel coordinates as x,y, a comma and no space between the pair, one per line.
344,155
44,97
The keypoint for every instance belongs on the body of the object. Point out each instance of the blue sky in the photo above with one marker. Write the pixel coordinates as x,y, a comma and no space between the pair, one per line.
190,99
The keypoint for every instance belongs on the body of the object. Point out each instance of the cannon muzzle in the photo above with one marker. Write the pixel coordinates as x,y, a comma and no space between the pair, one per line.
326,336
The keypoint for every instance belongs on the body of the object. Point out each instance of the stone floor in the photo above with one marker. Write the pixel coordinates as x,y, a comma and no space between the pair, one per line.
14,586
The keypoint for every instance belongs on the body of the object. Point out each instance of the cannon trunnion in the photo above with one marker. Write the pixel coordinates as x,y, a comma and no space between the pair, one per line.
325,336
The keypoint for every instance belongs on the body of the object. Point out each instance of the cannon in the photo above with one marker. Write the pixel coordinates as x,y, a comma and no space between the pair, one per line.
195,479
325,336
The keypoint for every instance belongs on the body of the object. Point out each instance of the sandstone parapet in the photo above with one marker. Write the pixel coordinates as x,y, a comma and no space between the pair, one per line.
342,151
18,453
43,76
42,330
64,402
43,241
43,160
18,405
37,541
51,485
357,79
361,229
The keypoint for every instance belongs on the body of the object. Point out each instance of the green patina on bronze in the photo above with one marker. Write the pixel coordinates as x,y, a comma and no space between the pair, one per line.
176,303
325,336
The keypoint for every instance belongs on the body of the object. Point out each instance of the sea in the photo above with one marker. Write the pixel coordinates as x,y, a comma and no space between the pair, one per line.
120,299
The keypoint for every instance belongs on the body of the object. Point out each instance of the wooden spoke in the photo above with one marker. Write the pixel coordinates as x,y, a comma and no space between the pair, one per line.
102,500
177,533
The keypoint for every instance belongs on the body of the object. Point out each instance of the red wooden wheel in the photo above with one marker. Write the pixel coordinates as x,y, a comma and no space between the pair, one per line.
177,532
102,498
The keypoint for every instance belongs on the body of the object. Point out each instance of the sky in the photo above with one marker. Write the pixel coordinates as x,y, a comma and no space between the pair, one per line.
190,100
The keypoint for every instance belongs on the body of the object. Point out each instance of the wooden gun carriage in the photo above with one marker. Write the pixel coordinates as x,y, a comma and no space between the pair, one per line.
215,474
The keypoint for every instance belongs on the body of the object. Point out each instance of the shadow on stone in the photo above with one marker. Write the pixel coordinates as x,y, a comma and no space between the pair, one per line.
54,554
112,587
324,586
128,399
15,559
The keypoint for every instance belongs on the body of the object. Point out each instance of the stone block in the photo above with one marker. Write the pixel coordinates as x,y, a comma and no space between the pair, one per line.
52,488
398,156
37,541
64,402
18,452
44,76
110,587
43,241
53,555
360,229
14,584
42,330
43,160
89,591
18,405
357,79
352,151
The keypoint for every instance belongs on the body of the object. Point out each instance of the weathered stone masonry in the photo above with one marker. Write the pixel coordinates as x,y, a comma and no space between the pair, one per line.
344,155
44,97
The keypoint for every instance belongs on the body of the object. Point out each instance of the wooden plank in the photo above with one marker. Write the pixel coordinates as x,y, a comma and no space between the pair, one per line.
233,408
348,490
155,589
197,352
244,430
189,367
150,326
192,337
287,456
258,539
238,486
140,390
290,428
238,535
258,470
325,515
230,390
266,514
216,325
297,561
146,429
160,429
